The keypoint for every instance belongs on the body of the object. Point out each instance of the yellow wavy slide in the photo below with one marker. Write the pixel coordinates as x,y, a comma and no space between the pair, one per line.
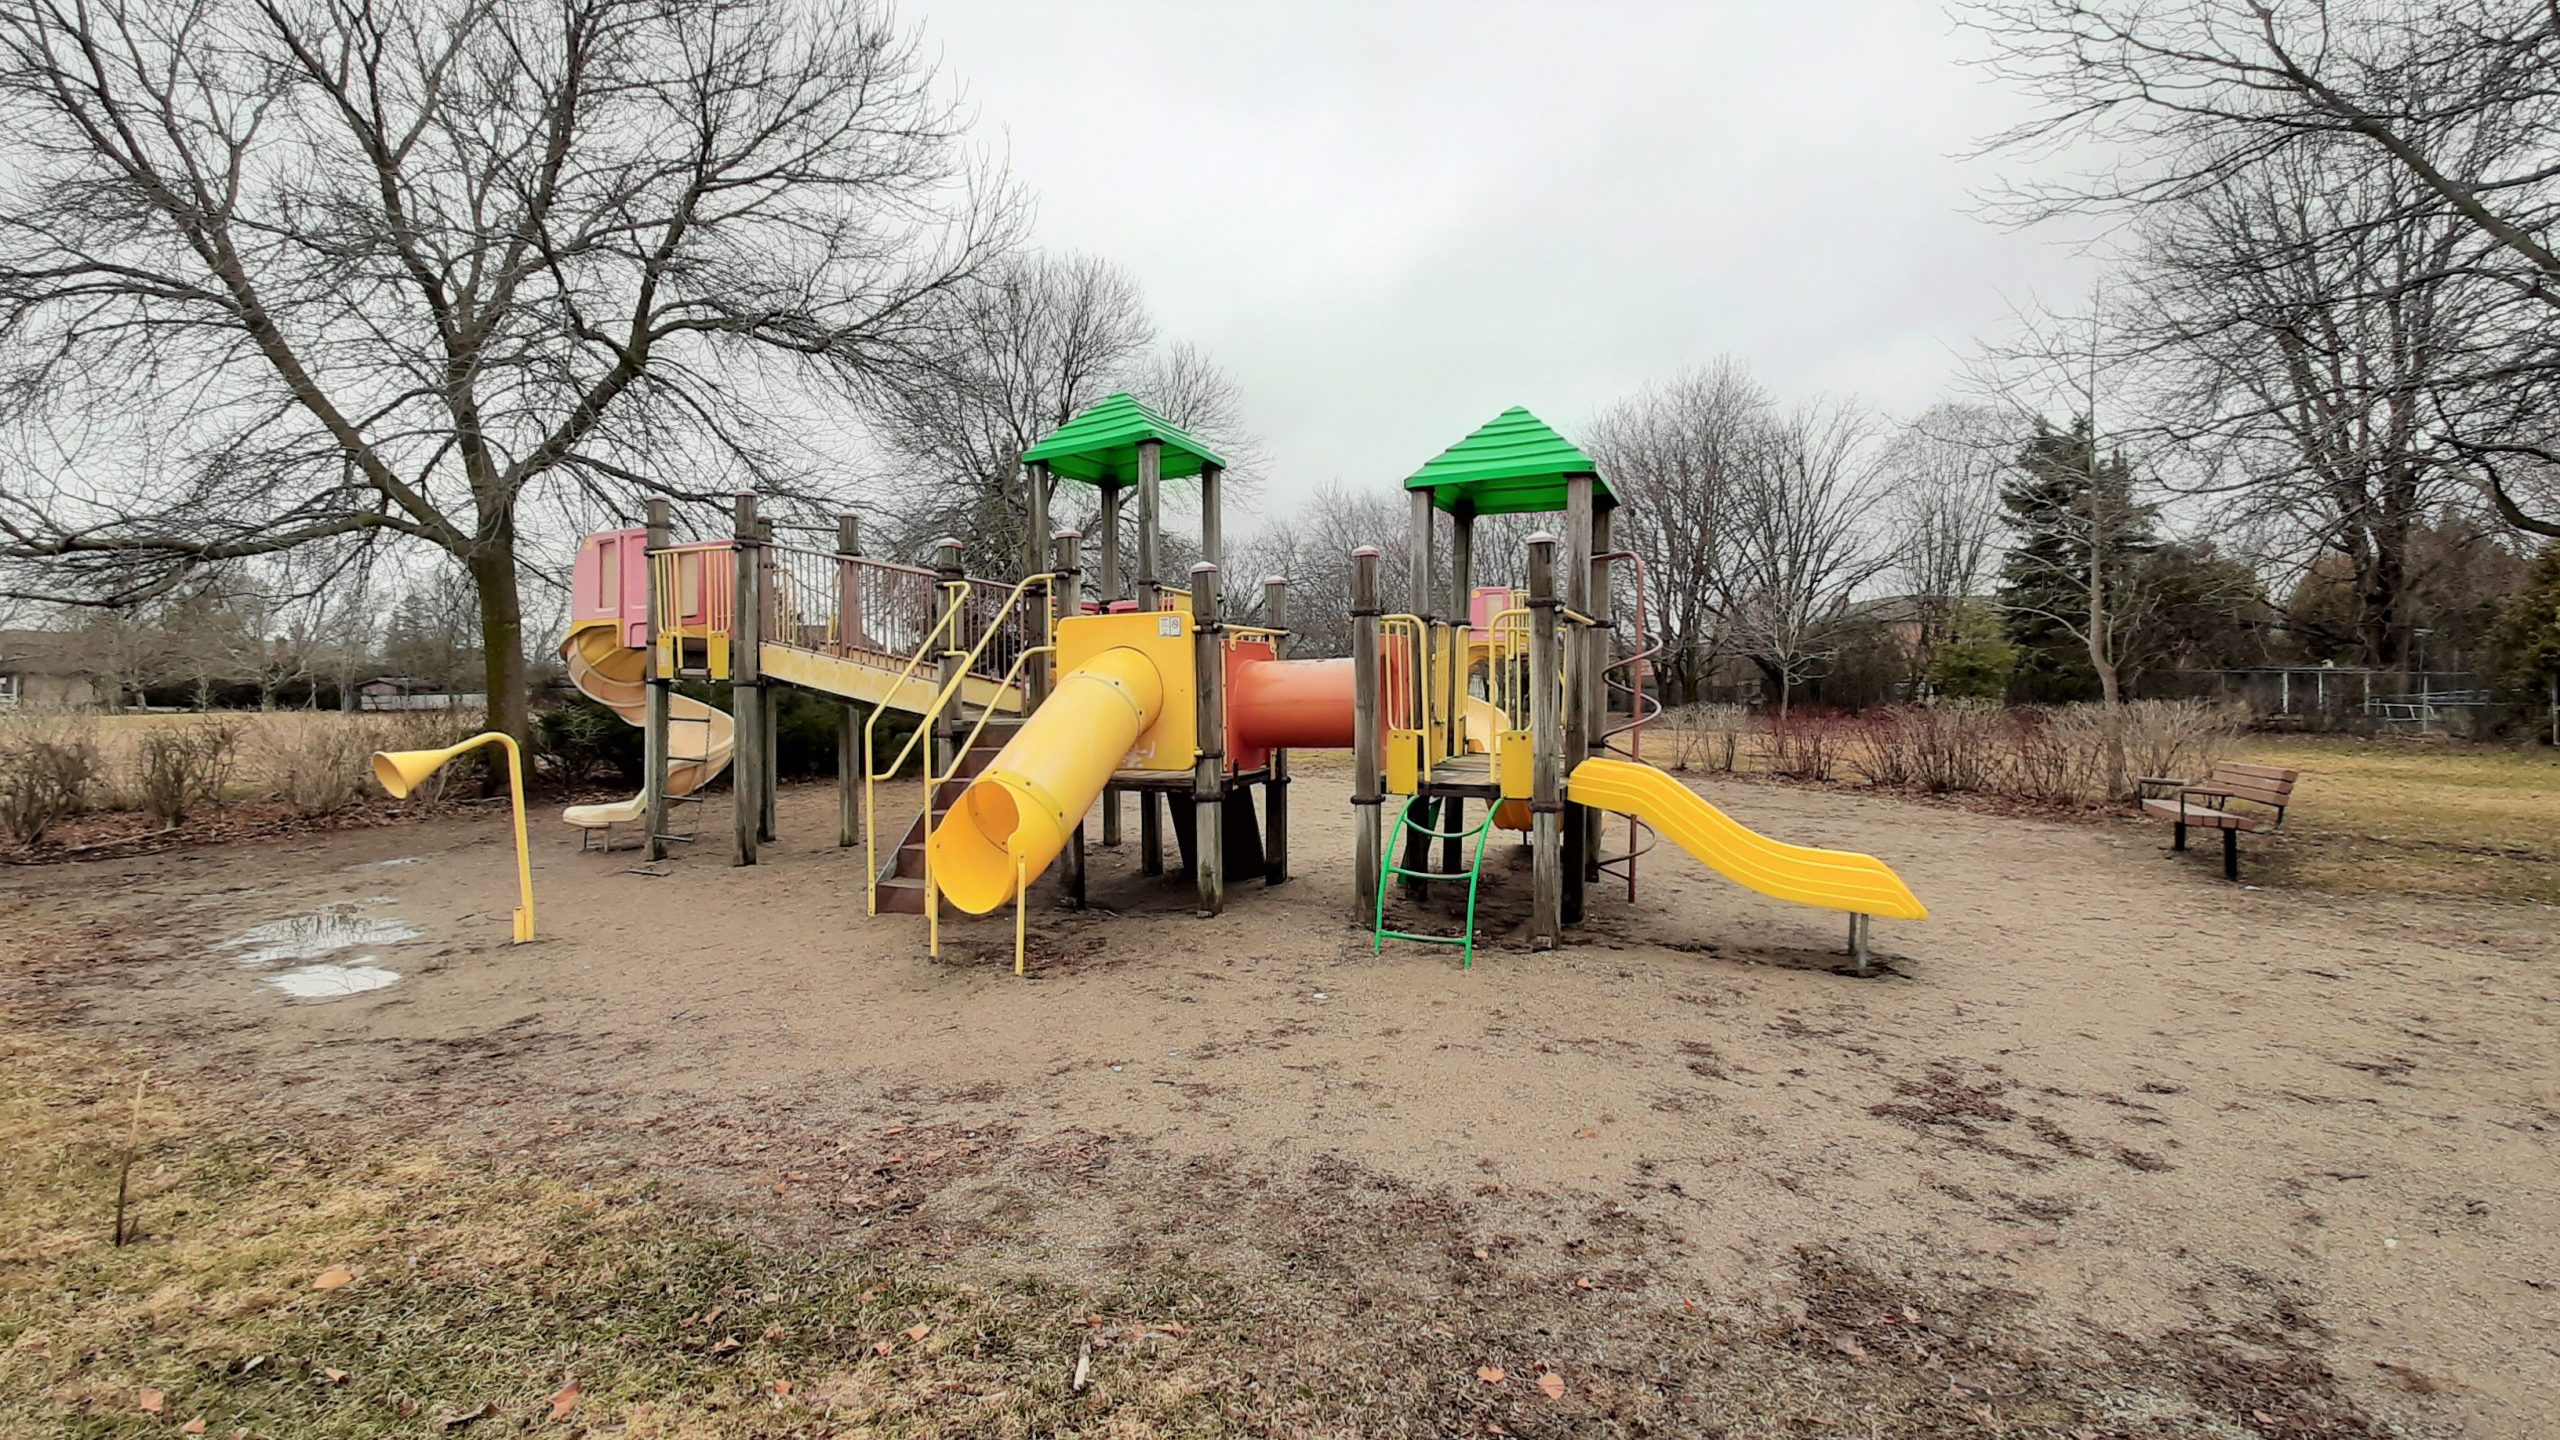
700,738
1831,879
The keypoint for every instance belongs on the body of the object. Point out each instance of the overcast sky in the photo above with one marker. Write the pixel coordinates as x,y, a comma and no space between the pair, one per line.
1389,221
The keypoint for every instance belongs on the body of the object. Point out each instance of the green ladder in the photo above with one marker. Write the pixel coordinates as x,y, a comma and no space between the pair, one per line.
1389,870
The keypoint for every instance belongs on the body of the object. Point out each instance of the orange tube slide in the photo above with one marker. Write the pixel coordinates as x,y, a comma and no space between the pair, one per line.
1292,704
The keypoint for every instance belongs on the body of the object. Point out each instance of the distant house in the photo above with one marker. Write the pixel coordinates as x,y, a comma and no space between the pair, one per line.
408,692
50,670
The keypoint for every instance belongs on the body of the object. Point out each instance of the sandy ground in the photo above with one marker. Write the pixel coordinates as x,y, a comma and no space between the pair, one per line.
2145,1103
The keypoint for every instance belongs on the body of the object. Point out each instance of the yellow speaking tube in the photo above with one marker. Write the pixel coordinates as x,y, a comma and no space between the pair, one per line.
1022,809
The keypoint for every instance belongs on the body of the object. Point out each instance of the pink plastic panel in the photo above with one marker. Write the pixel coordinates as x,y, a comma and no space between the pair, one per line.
611,582
1489,601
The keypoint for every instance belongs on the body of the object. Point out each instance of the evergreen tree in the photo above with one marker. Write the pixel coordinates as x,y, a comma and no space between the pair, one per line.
2062,503
2529,638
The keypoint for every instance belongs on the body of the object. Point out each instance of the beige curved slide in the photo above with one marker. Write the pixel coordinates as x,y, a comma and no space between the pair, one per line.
699,737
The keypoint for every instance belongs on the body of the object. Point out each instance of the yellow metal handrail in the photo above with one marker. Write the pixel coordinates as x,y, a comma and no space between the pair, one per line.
871,772
960,751
960,756
955,611
1417,681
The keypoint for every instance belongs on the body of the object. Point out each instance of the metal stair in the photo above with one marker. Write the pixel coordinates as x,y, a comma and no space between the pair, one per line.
902,874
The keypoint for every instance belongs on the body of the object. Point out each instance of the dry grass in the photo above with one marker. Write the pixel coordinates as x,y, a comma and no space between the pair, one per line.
315,761
475,1296
2414,817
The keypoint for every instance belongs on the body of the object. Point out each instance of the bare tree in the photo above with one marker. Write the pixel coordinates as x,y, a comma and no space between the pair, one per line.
1674,455
1800,547
1031,343
2456,97
2299,324
1186,385
1941,476
343,270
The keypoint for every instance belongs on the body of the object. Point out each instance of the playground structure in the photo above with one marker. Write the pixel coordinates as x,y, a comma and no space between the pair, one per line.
1023,702
1507,707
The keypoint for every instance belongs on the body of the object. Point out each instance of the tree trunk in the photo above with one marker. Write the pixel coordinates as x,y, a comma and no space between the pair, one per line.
493,577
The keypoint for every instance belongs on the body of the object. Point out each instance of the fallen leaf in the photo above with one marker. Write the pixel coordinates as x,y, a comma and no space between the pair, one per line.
1174,1327
460,1418
773,1332
1582,1282
565,1403
1848,1345
1489,1374
1586,1134
149,1401
333,1278
918,1332
883,1348
726,1344
192,1427
334,1377
781,1387
1553,1384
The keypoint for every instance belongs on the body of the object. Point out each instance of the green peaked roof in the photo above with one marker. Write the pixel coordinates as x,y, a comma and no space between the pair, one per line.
1100,446
1512,465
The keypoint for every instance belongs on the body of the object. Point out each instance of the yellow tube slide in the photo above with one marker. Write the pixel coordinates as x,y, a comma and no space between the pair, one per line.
1832,879
1020,811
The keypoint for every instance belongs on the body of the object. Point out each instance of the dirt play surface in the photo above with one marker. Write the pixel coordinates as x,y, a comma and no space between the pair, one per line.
2302,1144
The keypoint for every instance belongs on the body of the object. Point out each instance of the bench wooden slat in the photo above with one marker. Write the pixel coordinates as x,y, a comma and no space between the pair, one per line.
2242,788
2202,816
2263,772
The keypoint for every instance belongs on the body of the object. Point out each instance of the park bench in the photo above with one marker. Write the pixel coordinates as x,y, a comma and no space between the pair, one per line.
2211,803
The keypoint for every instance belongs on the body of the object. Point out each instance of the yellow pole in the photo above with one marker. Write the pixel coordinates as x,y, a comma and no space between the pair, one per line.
1021,884
399,772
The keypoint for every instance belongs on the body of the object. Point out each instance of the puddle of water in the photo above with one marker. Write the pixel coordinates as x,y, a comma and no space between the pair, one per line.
322,932
330,982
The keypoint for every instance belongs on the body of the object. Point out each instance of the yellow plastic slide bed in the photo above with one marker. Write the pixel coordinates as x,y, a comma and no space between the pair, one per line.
1832,879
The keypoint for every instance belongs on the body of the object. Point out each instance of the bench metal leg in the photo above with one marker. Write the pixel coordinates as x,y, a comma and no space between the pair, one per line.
2230,854
2180,842
1858,941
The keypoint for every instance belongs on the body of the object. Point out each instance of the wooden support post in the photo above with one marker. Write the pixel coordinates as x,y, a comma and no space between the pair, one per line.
1581,675
746,691
1108,591
948,575
1367,792
1418,554
1209,716
1035,504
1546,744
848,775
1462,559
850,761
661,685
1150,522
769,698
1150,833
1213,529
1275,787
1067,561
1603,643
1151,803
1037,557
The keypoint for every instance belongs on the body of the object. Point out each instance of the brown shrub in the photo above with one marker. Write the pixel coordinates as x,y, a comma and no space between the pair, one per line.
177,769
47,767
